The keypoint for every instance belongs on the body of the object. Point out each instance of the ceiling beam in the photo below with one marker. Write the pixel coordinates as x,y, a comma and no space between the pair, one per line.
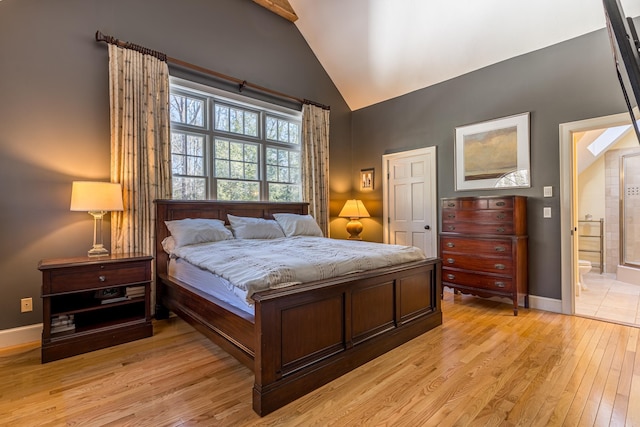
280,7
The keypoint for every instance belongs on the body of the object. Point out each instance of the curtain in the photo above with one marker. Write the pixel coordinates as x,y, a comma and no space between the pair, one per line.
315,163
140,145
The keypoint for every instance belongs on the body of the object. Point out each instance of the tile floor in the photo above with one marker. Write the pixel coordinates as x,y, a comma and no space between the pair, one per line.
608,299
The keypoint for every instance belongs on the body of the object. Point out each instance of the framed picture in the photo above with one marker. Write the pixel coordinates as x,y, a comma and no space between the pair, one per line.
366,179
493,154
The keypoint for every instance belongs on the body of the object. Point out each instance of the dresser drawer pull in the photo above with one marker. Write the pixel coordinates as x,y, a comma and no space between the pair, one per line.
450,260
500,266
451,276
451,245
102,278
451,204
451,227
500,203
501,216
500,249
500,229
500,284
451,216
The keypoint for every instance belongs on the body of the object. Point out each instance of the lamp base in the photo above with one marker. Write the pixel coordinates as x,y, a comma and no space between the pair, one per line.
354,228
98,250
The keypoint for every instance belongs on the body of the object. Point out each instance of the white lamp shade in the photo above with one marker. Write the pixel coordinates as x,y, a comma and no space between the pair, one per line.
91,196
354,209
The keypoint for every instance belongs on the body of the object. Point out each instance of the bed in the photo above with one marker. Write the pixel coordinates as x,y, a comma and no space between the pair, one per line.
300,337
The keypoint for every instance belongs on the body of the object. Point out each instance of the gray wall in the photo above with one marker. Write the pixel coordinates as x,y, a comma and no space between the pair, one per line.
54,117
570,81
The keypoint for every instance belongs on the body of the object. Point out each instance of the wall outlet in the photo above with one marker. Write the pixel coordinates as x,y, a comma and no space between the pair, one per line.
26,305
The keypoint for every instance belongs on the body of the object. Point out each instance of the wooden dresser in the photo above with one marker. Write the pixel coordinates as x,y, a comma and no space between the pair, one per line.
483,246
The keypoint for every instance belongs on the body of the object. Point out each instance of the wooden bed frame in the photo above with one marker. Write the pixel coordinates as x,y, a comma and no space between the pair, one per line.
304,336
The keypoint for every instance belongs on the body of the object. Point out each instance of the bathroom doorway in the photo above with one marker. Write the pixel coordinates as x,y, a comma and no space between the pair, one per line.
604,192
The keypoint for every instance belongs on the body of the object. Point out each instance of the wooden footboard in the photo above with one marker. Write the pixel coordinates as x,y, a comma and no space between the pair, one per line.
310,335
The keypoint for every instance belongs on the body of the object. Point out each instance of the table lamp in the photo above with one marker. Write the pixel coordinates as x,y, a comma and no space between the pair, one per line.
354,210
97,198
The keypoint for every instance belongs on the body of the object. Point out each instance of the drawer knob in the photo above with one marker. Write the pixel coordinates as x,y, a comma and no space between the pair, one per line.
500,284
451,216
450,260
500,249
102,278
500,266
451,276
451,227
451,204
500,230
451,245
500,203
500,216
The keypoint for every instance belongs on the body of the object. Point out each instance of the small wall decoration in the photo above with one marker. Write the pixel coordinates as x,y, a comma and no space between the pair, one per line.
366,179
493,154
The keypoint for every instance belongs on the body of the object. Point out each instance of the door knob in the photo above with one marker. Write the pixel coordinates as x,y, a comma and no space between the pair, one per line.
427,227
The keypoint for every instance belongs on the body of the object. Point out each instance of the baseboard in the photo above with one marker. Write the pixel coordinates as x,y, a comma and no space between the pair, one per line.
546,304
21,335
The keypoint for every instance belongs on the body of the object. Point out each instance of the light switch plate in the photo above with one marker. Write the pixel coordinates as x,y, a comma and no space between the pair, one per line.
548,191
546,212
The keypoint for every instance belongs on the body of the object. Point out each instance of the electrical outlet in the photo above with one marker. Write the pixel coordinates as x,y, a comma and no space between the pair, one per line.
26,305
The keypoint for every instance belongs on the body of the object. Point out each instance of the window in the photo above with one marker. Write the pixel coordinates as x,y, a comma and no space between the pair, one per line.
227,148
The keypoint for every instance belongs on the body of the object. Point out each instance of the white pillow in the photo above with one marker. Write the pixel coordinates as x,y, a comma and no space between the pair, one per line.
298,225
254,228
190,231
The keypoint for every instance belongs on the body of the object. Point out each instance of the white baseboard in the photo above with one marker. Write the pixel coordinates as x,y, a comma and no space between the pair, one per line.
539,303
21,335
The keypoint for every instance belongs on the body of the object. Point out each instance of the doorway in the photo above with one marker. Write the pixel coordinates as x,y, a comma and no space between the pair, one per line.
410,201
592,187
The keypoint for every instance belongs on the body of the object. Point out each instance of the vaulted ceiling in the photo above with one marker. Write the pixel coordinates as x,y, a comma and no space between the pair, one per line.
375,50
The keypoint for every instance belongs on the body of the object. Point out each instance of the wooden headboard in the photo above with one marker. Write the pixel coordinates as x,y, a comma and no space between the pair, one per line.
169,210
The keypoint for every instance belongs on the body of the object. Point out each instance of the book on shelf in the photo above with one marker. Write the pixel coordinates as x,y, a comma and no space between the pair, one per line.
135,291
112,300
62,328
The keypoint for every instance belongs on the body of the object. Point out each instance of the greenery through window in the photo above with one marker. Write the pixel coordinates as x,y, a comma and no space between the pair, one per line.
230,149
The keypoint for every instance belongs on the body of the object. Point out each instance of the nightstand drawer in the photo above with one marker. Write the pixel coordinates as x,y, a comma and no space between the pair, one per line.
97,276
503,266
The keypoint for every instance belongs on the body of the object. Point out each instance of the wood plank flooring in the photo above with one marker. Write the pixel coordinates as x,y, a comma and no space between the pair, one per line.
483,366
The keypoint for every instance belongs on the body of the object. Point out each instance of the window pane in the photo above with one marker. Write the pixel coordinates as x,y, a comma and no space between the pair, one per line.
294,158
222,149
222,168
222,117
251,153
238,190
272,156
283,174
283,131
283,158
236,120
178,164
251,171
236,151
178,142
284,193
195,166
237,170
272,129
195,145
272,173
294,133
251,123
189,188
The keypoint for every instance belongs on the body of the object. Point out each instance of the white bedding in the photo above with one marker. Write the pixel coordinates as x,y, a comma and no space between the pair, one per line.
253,265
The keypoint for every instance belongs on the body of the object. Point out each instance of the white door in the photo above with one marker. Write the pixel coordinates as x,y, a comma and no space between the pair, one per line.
410,203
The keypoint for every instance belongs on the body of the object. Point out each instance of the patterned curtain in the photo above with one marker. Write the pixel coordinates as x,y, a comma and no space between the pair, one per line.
315,163
140,145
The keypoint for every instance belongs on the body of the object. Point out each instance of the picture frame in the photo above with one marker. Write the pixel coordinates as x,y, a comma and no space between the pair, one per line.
493,154
367,179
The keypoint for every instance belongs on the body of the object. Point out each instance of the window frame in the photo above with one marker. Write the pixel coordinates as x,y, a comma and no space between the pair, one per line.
213,96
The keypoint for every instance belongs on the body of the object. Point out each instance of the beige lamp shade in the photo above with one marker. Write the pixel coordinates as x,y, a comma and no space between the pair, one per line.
354,209
91,196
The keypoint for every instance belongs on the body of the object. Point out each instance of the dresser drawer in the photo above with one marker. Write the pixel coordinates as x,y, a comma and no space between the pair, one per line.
476,246
489,215
476,280
461,227
97,276
478,263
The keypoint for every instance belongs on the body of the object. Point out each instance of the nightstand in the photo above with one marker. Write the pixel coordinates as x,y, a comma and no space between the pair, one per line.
92,303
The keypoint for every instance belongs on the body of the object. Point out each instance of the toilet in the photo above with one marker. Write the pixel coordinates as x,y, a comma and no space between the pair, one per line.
583,268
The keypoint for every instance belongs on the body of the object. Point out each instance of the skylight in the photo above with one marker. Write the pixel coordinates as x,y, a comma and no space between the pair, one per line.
607,139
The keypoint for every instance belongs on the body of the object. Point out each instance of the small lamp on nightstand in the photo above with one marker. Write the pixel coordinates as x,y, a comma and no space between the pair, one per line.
354,210
97,198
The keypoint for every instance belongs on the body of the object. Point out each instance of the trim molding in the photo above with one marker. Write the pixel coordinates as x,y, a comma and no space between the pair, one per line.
21,335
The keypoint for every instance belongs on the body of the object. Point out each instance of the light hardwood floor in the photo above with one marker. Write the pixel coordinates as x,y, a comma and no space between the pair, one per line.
483,366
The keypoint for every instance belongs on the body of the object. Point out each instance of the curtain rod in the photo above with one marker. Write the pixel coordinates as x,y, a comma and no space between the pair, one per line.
163,57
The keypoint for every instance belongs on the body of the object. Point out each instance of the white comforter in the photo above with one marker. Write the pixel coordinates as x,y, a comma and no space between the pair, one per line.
253,265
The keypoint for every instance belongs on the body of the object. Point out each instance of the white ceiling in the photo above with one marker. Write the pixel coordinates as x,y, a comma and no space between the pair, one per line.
375,50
